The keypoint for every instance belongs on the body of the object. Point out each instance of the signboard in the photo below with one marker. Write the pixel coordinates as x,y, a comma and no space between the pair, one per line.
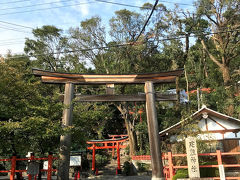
33,168
192,158
75,160
45,165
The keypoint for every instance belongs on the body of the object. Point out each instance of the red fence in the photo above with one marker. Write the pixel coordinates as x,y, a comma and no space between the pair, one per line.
170,169
13,169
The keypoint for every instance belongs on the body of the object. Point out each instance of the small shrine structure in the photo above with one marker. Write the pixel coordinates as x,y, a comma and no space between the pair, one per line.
220,131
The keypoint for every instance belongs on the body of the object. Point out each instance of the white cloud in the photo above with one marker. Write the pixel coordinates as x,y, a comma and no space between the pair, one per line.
140,2
83,8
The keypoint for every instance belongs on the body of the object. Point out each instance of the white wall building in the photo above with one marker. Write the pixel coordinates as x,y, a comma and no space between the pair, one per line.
214,126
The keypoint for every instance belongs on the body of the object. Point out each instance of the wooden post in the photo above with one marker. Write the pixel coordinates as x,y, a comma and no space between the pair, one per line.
170,164
113,150
156,159
29,177
13,168
220,165
65,140
93,157
49,171
219,157
118,157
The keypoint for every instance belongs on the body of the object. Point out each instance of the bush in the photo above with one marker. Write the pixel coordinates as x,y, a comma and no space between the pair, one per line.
204,172
209,172
101,160
142,167
181,173
127,168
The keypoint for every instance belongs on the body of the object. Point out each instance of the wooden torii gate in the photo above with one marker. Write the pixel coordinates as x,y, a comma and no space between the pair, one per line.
96,79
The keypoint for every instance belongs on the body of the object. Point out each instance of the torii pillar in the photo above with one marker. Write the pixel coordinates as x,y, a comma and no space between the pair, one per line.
153,132
65,140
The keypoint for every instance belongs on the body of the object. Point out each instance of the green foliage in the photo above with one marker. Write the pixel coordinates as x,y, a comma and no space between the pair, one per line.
142,167
102,159
91,118
127,150
209,172
29,116
47,48
181,173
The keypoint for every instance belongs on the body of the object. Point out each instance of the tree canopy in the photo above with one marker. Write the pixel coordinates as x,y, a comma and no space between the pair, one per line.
206,43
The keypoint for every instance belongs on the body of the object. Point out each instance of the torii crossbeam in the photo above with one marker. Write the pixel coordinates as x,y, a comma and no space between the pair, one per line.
150,97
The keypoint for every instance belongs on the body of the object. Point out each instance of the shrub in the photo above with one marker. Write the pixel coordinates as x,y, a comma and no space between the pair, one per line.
142,167
126,168
101,160
209,172
181,173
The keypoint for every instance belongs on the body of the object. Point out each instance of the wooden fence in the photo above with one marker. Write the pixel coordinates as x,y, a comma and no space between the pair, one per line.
14,160
170,168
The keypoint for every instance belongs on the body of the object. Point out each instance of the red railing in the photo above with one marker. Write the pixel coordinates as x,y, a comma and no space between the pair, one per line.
13,169
169,170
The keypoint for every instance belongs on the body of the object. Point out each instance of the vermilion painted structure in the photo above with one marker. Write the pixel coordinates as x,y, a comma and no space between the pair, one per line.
114,143
170,168
14,159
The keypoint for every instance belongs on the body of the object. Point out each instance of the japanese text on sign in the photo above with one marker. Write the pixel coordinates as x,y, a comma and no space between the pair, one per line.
192,158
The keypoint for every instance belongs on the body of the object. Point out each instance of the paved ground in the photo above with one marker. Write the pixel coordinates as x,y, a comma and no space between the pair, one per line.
122,177
100,178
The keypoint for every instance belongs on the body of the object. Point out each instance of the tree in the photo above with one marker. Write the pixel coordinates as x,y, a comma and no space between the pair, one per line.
29,114
92,36
223,18
47,48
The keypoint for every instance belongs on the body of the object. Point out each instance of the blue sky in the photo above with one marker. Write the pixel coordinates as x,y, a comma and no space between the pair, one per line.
61,13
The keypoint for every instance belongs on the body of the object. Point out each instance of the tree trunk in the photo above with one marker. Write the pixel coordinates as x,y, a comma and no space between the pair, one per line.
223,66
226,75
130,130
132,138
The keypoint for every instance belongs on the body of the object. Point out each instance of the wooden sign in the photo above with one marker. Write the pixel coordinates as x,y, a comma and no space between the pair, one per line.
75,160
45,165
192,158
